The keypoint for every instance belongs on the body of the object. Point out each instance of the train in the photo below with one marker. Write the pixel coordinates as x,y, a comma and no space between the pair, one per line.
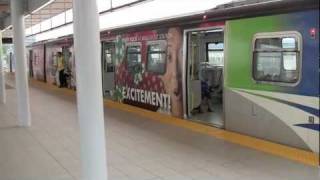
250,67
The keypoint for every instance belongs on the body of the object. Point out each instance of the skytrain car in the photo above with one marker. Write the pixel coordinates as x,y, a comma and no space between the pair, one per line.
272,78
250,67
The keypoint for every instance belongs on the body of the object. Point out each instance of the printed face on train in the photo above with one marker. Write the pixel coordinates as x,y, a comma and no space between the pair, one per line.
172,79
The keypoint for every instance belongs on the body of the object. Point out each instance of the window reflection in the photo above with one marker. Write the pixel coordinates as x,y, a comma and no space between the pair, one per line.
215,53
133,57
276,59
156,58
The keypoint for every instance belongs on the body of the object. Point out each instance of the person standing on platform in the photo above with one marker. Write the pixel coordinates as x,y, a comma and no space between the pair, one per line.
61,67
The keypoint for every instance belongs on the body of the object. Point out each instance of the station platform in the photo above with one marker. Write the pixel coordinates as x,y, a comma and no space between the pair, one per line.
137,148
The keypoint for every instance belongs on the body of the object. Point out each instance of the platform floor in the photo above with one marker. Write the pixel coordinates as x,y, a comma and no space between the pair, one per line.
138,149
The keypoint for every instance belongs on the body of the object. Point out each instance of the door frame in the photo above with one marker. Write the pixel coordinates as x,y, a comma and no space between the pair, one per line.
185,74
31,63
44,64
103,45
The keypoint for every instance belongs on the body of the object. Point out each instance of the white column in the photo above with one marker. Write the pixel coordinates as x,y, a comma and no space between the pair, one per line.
89,90
17,19
2,79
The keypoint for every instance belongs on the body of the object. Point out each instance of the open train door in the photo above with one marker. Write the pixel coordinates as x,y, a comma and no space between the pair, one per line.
108,68
205,64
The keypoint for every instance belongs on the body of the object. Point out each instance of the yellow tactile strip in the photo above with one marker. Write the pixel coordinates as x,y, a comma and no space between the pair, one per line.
295,154
302,156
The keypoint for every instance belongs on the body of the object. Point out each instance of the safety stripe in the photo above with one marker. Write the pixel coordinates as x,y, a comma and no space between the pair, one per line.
315,127
310,110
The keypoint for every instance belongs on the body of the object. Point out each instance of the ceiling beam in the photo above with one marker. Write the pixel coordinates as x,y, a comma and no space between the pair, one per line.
30,6
33,5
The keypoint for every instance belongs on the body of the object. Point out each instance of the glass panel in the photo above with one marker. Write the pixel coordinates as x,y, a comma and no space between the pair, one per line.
108,58
109,66
156,59
268,43
279,60
36,28
215,58
290,73
45,25
155,47
194,55
134,49
69,15
267,66
289,43
133,57
290,61
216,46
156,63
58,20
28,31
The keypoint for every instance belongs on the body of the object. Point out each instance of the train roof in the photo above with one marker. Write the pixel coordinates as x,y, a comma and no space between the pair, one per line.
232,10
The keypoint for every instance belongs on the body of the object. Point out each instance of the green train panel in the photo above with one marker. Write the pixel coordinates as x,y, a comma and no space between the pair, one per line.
272,78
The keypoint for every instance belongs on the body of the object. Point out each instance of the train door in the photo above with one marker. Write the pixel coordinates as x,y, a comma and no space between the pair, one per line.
205,62
108,68
30,63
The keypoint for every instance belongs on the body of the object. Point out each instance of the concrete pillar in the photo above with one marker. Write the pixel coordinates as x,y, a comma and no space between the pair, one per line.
2,79
17,7
89,90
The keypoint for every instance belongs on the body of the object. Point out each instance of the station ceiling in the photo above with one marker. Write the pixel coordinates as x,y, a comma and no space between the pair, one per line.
35,11
50,10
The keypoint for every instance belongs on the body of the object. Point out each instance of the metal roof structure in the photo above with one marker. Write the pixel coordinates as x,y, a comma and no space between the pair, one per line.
50,10
36,11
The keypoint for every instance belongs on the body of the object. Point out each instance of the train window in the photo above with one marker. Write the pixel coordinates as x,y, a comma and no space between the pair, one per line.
276,57
108,63
288,43
156,58
133,58
289,61
215,53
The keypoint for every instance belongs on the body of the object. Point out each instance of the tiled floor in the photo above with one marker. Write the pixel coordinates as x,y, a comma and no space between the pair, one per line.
138,149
